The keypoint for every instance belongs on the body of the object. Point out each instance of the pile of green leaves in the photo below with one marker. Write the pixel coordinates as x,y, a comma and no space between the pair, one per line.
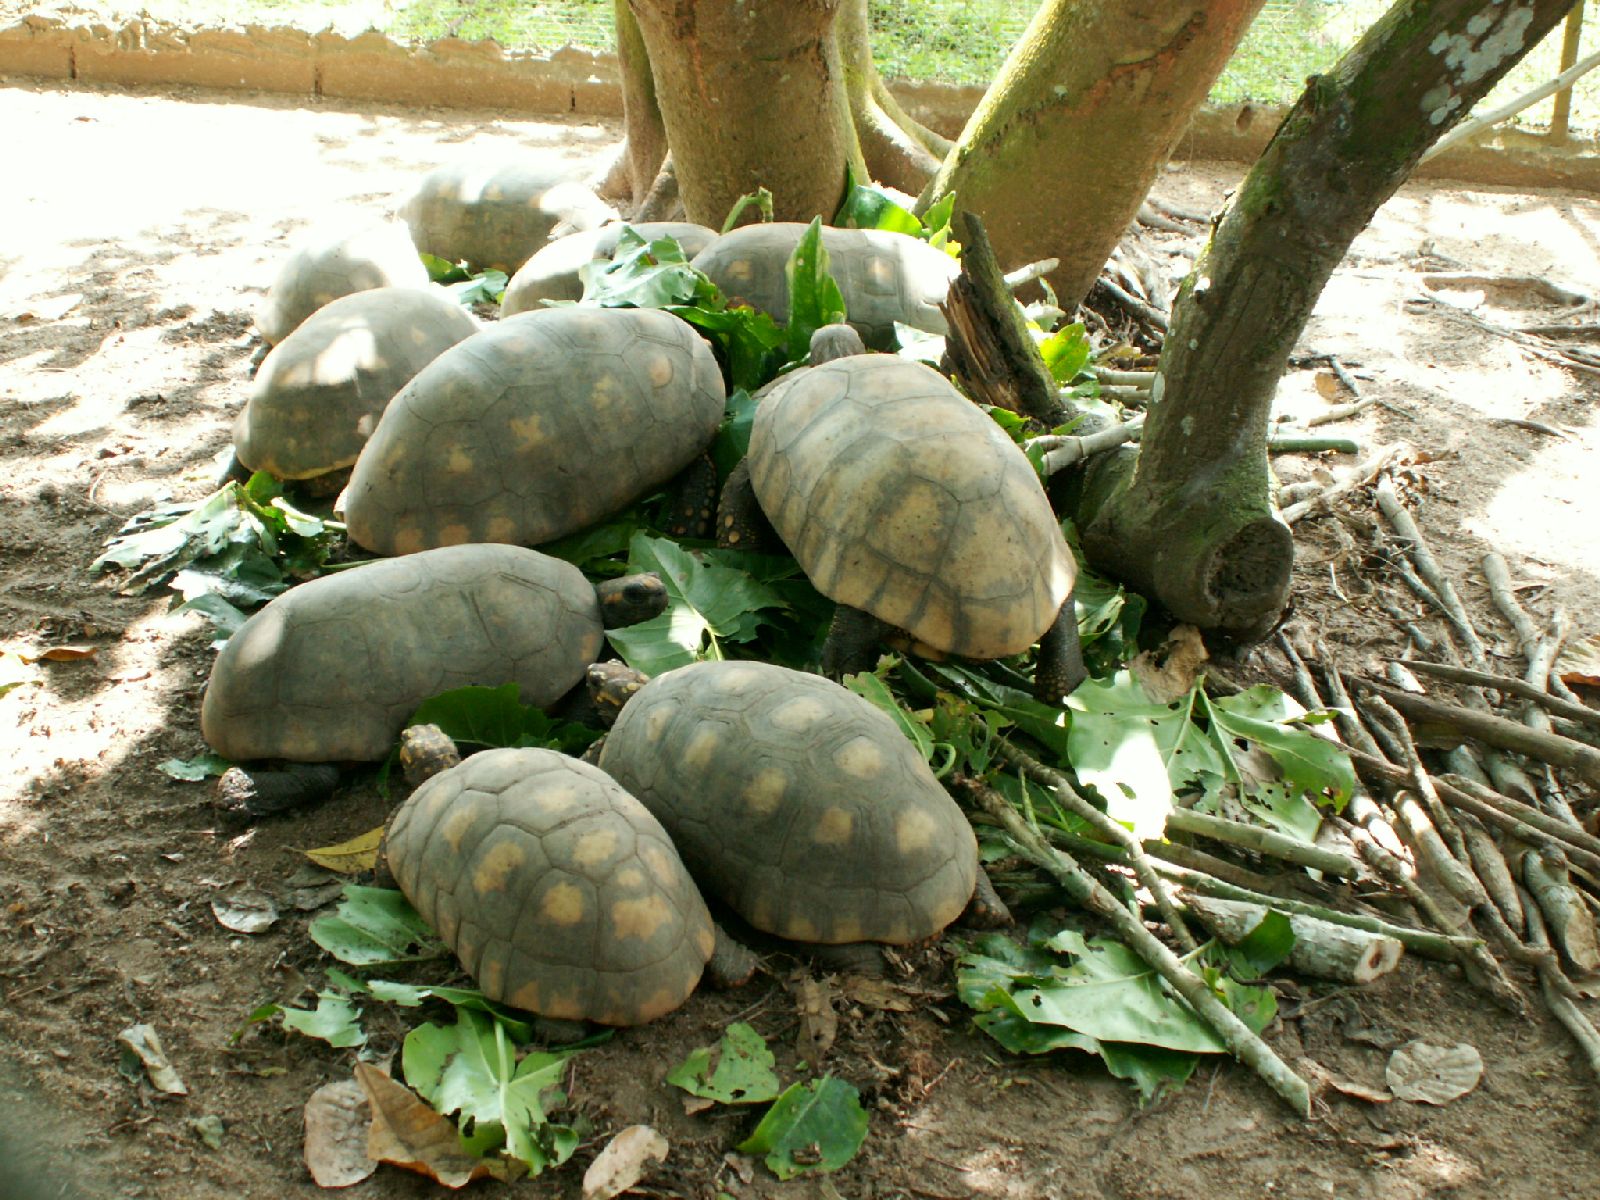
468,288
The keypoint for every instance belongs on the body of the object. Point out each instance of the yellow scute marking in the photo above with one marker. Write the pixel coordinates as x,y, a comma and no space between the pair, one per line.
701,748
563,904
527,997
660,864
459,462
914,831
764,793
640,918
660,369
630,878
799,714
594,847
833,828
801,929
455,826
495,867
528,432
655,725
557,798
860,758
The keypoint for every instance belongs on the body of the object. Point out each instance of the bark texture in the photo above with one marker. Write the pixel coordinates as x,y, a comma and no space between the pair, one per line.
644,149
751,94
898,151
1065,145
1192,525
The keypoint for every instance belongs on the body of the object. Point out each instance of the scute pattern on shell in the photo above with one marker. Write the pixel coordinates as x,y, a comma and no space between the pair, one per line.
557,890
797,802
320,392
899,497
538,426
552,273
330,264
329,671
884,277
498,214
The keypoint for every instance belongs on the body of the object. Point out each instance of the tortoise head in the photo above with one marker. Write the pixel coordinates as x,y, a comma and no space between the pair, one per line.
611,685
631,599
835,341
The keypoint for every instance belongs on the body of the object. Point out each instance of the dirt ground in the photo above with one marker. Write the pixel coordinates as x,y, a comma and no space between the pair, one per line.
137,230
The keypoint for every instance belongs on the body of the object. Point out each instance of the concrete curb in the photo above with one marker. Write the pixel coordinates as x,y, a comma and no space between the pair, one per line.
451,73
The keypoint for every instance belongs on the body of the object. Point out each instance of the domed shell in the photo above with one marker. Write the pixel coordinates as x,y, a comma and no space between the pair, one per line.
497,214
557,890
552,273
898,496
333,263
884,277
538,426
797,802
330,670
319,394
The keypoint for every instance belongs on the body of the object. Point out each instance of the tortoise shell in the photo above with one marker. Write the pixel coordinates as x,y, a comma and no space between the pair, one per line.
557,890
498,214
537,426
330,264
797,802
331,670
553,273
884,277
319,394
899,497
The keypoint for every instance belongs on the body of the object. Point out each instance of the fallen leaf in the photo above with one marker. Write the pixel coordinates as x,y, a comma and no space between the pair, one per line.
622,1163
209,1129
409,1134
350,858
873,993
1168,672
819,1024
1329,386
144,1043
1431,1074
694,1105
337,1118
15,671
62,654
248,910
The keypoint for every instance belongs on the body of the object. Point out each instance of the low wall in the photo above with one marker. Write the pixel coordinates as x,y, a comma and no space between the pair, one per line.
456,74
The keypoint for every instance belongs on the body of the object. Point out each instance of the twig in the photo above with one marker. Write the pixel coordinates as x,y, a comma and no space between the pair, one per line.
1512,687
1263,841
1027,273
1321,948
1544,288
1568,919
1063,450
1296,444
1428,566
1489,864
1565,356
1511,108
1082,887
1145,312
1144,381
1114,833
1340,412
1557,991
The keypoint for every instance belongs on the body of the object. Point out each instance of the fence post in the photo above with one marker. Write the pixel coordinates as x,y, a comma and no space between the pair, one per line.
1561,113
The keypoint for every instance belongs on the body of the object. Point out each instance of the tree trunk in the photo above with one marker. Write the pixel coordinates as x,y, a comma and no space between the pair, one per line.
752,94
644,146
898,151
1070,136
1192,525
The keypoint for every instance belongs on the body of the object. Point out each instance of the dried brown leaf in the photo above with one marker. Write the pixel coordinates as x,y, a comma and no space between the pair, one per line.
819,1024
1432,1074
409,1134
1169,672
62,654
622,1163
145,1044
337,1118
875,993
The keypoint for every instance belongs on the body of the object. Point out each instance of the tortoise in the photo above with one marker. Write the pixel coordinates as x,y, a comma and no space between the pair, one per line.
333,263
329,671
536,427
796,802
913,511
320,392
556,889
496,214
553,273
884,277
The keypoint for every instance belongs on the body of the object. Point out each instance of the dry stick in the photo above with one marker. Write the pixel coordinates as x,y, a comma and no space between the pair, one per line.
1428,566
1571,357
1362,474
1568,919
1263,841
1061,450
1489,864
1147,313
1114,833
1082,887
1558,993
1511,687
1027,273
1180,855
1143,381
1497,731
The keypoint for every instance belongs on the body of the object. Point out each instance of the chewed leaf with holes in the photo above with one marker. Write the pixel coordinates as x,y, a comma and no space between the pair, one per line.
738,1070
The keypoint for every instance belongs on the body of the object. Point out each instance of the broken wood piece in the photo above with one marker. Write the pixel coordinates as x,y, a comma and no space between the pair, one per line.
1321,949
1490,866
1064,450
1027,273
1144,381
1428,566
1136,307
1571,925
1430,850
1536,285
1508,685
1306,444
1557,990
1497,731
1263,841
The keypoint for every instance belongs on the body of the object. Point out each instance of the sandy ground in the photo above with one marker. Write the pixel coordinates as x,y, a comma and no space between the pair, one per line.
137,231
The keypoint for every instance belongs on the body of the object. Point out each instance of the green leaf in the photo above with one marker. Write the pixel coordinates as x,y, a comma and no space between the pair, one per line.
812,1127
708,604
335,1020
409,995
750,343
441,270
872,688
643,274
738,1070
733,436
936,224
1066,352
814,297
486,287
589,549
761,198
224,617
191,770
1268,944
869,206
1149,1068
1310,763
375,925
493,716
472,1069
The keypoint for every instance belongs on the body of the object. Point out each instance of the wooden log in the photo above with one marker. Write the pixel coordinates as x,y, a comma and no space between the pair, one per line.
1321,949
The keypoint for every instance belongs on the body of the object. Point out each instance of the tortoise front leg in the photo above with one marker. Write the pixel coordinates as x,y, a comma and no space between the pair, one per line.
1060,667
853,642
741,525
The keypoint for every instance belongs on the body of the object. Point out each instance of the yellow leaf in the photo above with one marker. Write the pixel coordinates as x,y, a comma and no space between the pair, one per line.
350,858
